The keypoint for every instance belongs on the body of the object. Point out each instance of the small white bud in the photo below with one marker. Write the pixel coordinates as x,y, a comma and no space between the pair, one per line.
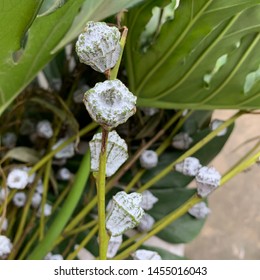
44,129
46,211
116,152
98,46
150,111
146,255
36,200
190,166
207,179
40,187
64,174
181,141
148,200
19,199
113,245
199,210
79,94
110,103
125,213
5,246
4,225
148,159
9,140
17,179
215,124
66,152
31,177
146,223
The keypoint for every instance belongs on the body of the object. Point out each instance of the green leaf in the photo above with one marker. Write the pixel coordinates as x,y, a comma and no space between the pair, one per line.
171,72
22,154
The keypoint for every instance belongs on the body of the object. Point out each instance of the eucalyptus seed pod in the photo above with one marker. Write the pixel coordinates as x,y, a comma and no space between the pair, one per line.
207,179
66,152
125,213
64,174
17,179
44,129
148,200
113,245
190,166
56,257
6,246
146,255
110,103
47,210
36,200
182,141
215,124
99,46
116,152
148,159
19,199
146,223
199,210
9,140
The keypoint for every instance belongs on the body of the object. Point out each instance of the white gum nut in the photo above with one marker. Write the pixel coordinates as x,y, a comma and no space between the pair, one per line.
66,152
146,223
5,246
110,103
64,174
182,141
207,180
148,159
36,200
190,166
19,199
199,210
148,200
99,46
116,152
44,129
17,179
47,210
113,245
215,124
146,255
125,213
9,140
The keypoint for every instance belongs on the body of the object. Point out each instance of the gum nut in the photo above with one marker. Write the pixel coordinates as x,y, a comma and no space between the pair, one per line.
47,210
4,224
19,199
36,200
66,152
110,103
64,174
9,140
99,46
113,245
148,200
17,179
31,177
5,246
79,94
146,255
116,152
148,159
146,223
190,166
125,213
44,129
199,210
207,179
215,124
181,141
39,187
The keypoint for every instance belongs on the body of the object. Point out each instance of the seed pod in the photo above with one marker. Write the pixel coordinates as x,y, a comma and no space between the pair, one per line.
146,255
181,141
46,211
199,210
190,166
116,152
125,213
17,179
148,159
113,245
44,129
146,223
9,140
31,177
215,124
64,174
110,103
36,200
56,257
207,179
98,46
5,246
19,199
148,200
66,152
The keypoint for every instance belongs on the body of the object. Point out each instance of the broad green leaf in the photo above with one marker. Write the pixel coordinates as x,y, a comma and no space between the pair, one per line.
22,154
205,37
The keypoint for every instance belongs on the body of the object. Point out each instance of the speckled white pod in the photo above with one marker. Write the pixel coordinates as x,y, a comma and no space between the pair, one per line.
207,179
113,245
66,152
110,103
215,124
19,199
98,46
17,179
116,152
182,141
199,210
125,213
190,166
64,174
9,140
5,246
146,255
146,223
148,159
44,129
148,200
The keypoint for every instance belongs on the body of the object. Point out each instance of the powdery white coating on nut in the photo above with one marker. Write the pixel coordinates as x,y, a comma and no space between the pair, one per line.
66,152
46,211
5,246
125,213
182,141
148,200
44,129
190,166
36,200
207,179
116,152
146,255
64,174
4,225
146,223
110,103
113,245
199,210
98,46
9,140
215,124
19,199
148,159
17,179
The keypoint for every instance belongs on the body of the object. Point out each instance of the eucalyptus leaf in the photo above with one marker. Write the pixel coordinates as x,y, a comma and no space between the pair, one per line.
22,154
